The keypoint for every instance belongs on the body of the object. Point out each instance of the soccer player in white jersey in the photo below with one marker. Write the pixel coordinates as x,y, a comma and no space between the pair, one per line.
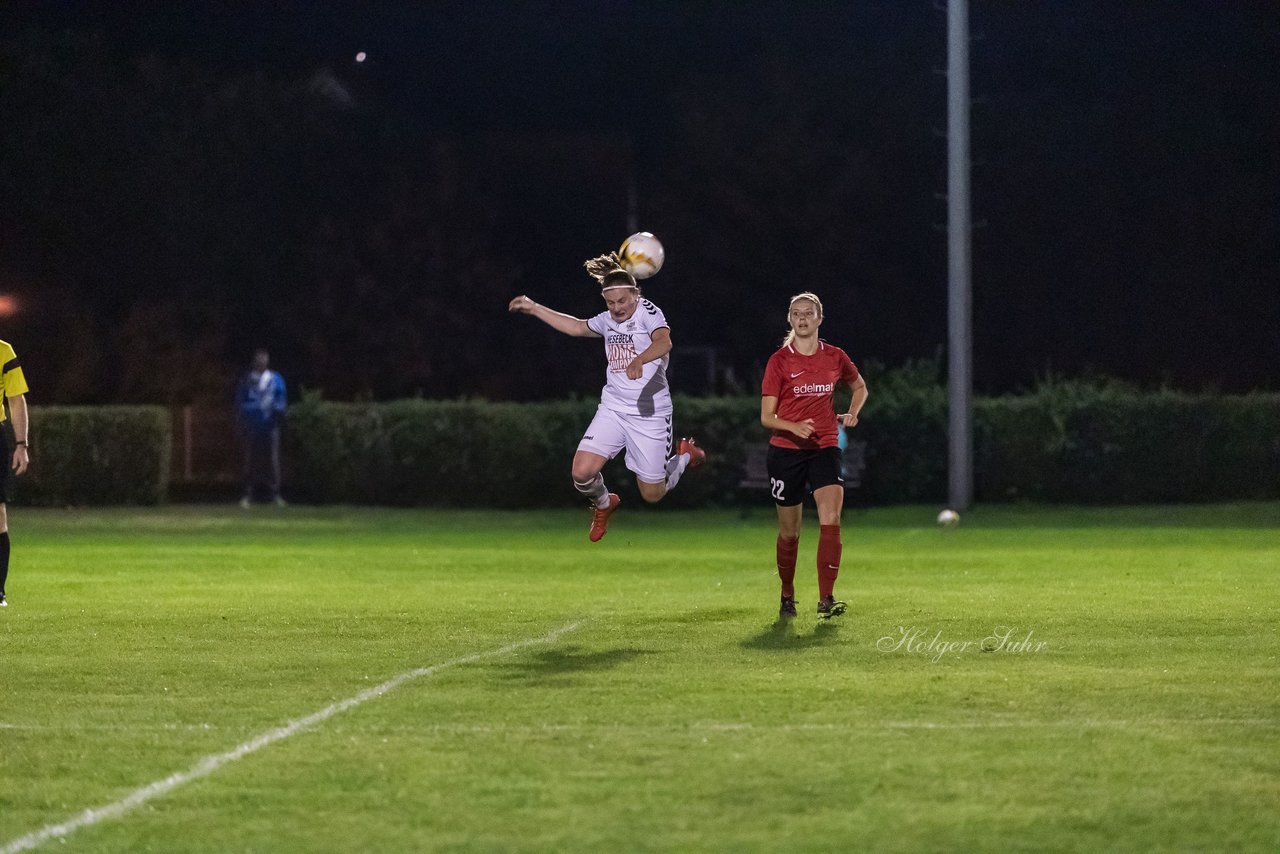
635,404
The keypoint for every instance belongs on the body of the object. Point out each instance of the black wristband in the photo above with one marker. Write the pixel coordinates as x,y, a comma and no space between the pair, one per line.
24,444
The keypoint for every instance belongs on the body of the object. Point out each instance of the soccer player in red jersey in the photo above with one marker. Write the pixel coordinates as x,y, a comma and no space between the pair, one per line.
804,451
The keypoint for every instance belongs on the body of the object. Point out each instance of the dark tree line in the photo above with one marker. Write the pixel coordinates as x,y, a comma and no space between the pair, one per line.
162,214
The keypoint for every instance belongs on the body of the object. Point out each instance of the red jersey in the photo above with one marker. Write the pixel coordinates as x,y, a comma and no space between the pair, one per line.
804,386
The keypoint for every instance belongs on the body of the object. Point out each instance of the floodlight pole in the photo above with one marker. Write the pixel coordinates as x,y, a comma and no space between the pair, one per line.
959,287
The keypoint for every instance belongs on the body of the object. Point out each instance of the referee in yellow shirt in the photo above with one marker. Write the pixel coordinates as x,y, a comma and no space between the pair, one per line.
14,411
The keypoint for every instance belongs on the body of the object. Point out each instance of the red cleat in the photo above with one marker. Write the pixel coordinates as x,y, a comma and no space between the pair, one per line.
697,456
600,518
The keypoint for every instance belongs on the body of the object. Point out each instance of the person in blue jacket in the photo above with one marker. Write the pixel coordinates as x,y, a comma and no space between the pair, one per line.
260,408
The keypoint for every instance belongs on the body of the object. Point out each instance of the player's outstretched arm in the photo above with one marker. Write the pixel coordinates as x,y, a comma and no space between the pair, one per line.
557,320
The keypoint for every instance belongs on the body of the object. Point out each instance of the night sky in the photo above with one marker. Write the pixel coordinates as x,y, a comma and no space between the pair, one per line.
1126,179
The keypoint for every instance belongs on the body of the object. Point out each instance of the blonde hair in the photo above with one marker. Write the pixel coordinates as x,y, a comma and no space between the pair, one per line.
608,271
811,297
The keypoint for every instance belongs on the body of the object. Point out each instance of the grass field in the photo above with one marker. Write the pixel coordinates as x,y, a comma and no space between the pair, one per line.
637,694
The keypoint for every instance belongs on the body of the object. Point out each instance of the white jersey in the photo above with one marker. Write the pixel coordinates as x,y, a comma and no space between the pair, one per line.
649,395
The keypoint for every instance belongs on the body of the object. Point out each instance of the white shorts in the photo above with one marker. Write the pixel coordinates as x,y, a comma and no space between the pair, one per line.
647,440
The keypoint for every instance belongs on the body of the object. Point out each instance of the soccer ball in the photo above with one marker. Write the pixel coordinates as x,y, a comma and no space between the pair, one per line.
642,255
948,518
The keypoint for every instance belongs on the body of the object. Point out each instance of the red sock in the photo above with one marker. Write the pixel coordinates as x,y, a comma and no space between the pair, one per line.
787,550
828,559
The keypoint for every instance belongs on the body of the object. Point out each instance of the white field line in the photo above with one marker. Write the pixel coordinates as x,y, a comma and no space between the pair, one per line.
209,764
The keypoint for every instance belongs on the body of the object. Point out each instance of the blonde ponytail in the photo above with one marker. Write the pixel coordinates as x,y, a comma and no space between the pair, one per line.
603,265
609,272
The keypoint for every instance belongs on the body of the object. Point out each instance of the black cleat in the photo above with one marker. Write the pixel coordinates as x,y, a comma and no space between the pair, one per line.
830,606
4,603
787,610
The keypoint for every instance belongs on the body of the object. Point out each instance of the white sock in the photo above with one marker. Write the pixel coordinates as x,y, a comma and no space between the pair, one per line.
595,490
675,467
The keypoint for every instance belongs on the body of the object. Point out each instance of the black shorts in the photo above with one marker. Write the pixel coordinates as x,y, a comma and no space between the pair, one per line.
793,473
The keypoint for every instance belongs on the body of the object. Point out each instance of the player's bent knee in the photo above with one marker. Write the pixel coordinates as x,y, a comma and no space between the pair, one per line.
583,474
652,492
